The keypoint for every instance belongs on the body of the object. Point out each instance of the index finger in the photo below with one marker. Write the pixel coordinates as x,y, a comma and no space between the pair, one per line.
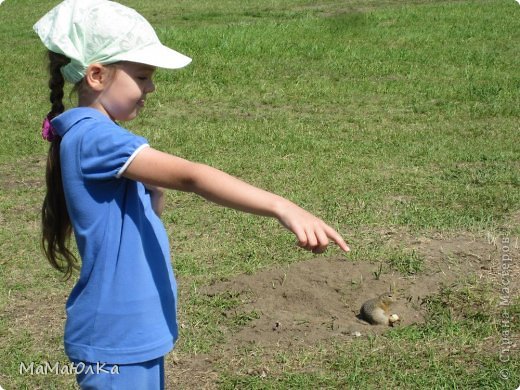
336,237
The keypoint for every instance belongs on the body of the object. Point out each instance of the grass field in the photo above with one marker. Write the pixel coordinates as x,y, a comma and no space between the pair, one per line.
396,121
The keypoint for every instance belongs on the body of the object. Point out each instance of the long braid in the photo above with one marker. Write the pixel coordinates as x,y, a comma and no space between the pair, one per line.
56,226
56,82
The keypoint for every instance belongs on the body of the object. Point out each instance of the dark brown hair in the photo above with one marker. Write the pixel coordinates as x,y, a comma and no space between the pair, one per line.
56,226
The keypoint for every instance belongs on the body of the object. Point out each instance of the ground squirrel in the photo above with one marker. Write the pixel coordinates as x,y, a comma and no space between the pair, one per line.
376,311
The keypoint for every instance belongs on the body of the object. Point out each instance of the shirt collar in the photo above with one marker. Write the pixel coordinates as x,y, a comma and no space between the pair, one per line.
64,122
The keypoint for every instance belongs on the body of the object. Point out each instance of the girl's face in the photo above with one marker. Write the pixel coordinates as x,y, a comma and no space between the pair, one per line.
126,93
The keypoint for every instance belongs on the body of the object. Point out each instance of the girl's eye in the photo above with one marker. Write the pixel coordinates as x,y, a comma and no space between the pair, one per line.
142,78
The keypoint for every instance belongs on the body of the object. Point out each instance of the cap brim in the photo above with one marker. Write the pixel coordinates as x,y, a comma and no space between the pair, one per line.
156,55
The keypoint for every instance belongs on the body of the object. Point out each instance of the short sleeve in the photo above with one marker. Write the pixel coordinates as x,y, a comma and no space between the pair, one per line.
106,153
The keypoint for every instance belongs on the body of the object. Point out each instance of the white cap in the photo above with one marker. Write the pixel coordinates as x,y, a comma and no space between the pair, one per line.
101,31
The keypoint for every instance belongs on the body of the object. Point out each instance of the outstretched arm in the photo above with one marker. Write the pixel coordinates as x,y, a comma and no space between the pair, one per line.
160,169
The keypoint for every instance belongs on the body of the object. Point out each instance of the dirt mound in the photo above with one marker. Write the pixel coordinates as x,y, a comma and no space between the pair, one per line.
320,298
311,300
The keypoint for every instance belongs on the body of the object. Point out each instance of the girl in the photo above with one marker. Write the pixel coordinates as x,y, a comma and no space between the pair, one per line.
105,184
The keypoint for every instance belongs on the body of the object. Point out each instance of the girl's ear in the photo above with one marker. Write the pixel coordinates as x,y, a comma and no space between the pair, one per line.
97,77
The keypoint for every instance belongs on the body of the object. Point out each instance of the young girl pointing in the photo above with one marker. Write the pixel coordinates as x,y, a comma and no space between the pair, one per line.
105,184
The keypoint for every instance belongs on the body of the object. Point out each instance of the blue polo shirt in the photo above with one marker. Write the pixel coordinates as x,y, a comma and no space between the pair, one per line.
123,307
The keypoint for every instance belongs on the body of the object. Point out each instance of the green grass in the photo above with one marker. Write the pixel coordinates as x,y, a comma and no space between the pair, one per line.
372,114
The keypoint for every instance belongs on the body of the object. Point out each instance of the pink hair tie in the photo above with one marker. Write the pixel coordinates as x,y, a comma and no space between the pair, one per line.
48,131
